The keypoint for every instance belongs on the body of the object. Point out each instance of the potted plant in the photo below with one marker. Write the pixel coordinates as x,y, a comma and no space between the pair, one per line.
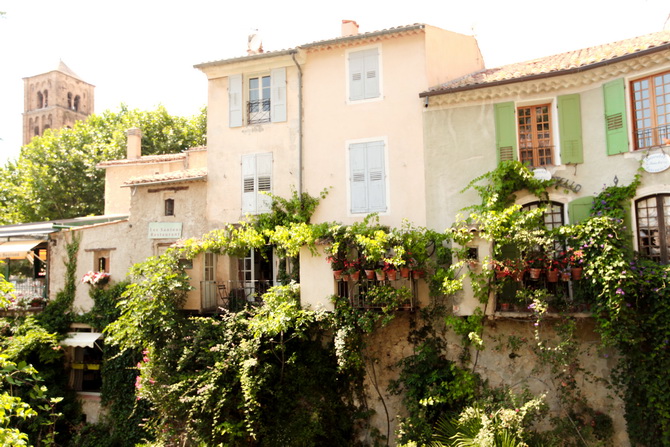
536,262
575,259
390,270
96,278
337,264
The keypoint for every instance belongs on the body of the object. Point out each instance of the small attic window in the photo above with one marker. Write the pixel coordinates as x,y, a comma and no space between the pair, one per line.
169,207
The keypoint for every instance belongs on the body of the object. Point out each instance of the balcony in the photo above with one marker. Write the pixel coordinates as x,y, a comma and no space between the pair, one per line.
231,295
364,293
652,137
29,296
258,111
567,294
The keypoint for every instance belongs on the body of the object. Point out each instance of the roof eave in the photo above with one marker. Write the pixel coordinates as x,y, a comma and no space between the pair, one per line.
547,75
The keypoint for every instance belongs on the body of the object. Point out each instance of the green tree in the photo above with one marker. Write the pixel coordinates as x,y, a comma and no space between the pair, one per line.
56,176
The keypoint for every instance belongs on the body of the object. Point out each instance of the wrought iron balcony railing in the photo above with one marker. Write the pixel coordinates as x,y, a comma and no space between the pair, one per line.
652,137
231,295
258,111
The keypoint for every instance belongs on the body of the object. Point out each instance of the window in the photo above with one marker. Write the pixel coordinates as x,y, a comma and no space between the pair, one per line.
535,140
40,100
266,98
69,100
258,107
256,179
364,75
101,261
651,108
169,207
367,177
653,227
77,100
553,214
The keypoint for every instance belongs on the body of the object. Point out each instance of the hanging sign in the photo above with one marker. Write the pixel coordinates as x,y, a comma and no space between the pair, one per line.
654,163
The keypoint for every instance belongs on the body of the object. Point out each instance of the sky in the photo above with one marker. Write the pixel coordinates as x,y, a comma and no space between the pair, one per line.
141,53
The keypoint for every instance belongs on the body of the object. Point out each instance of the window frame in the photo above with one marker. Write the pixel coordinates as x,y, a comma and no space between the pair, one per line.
367,96
262,105
654,135
355,187
538,159
169,207
662,222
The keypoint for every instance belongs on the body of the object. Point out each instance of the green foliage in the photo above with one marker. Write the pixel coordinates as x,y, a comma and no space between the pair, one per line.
431,386
56,176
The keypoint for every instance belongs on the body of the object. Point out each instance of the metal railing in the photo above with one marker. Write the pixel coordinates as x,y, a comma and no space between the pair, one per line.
30,288
356,291
652,137
232,295
258,111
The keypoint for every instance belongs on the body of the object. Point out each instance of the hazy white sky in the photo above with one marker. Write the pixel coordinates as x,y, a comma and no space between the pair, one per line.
142,52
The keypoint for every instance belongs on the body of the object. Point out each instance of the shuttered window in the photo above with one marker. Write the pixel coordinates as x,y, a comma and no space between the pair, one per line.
256,179
367,177
364,74
535,141
616,129
505,131
266,98
570,128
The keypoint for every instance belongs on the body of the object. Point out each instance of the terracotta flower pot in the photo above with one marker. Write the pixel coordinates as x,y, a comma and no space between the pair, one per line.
505,307
404,272
392,275
370,274
565,276
417,274
534,273
337,274
355,276
576,273
552,275
380,274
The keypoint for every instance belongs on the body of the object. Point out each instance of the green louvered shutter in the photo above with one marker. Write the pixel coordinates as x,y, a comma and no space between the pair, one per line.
580,209
505,123
616,129
570,129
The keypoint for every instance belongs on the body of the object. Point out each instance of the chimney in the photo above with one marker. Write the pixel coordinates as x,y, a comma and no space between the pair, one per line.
349,28
134,145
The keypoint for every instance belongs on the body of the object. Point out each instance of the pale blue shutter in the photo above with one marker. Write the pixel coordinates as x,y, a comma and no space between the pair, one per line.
356,76
376,177
263,182
235,100
357,178
371,74
248,183
278,95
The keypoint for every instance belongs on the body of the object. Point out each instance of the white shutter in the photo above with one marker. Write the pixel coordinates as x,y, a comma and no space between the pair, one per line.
356,76
264,182
248,183
376,177
371,74
278,95
235,100
358,178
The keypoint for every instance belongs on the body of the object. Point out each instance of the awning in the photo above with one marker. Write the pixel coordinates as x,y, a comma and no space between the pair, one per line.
18,249
81,339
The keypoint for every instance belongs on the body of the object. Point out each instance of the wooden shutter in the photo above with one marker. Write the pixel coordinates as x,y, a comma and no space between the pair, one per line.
376,177
356,76
357,178
570,128
371,74
580,209
235,101
278,95
505,124
248,183
263,182
616,127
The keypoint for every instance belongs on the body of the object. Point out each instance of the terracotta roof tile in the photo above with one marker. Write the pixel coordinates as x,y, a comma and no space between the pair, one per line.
163,158
169,177
558,64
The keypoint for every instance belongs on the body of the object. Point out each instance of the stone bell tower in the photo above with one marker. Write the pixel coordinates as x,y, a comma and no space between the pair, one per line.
54,100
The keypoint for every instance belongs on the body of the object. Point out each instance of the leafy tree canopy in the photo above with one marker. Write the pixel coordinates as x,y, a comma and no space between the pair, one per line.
56,176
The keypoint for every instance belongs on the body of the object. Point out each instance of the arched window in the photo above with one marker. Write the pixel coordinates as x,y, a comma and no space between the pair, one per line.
37,130
40,100
69,100
46,98
553,215
653,218
76,103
